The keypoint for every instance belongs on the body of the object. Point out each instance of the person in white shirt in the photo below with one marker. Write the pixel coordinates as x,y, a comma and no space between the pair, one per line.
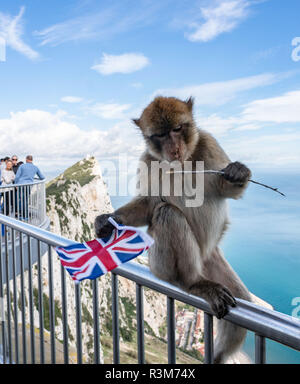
7,178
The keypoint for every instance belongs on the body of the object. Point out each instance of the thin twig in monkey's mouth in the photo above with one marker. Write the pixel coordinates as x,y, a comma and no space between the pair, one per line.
222,173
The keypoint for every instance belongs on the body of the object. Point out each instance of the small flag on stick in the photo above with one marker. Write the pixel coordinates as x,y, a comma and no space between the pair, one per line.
95,258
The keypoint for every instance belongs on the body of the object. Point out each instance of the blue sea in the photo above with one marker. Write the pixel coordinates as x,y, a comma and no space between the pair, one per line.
263,246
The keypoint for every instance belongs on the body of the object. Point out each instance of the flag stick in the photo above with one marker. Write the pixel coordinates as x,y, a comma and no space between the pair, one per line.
222,173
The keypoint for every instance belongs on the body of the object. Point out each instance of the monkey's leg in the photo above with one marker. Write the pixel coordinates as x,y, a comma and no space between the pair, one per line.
230,337
176,258
175,254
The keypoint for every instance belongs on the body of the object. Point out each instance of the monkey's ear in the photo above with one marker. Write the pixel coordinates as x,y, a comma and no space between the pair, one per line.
136,122
190,102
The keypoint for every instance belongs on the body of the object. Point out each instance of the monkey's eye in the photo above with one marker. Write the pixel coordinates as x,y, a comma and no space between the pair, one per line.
178,128
158,135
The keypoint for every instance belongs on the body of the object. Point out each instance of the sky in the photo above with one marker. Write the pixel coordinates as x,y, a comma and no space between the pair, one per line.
74,73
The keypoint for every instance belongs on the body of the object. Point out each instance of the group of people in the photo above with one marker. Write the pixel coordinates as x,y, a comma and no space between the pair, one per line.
13,171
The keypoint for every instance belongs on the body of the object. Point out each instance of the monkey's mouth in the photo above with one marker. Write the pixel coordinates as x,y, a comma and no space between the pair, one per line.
176,156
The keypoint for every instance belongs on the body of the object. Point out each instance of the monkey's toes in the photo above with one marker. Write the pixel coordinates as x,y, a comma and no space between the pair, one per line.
222,301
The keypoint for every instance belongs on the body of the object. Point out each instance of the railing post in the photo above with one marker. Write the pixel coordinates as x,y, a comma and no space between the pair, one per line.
23,300
96,322
115,318
171,330
41,305
2,299
260,349
65,314
7,262
51,306
78,323
13,240
140,323
31,307
208,339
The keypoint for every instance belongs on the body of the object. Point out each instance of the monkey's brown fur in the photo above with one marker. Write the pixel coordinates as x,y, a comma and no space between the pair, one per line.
186,252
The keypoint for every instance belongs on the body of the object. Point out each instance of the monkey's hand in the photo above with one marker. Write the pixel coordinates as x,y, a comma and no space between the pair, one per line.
218,296
237,173
103,227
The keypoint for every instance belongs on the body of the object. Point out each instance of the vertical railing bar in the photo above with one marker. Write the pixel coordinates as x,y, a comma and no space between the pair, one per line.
4,203
13,239
171,330
21,200
140,323
30,205
208,339
96,322
260,349
31,314
64,314
115,318
18,202
78,322
14,202
51,305
23,299
8,299
26,203
2,299
41,307
9,200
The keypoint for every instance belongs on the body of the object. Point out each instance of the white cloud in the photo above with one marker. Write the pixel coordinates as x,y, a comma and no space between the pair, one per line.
254,115
71,99
109,110
51,138
222,17
110,21
281,109
219,126
12,30
218,93
125,63
268,151
80,28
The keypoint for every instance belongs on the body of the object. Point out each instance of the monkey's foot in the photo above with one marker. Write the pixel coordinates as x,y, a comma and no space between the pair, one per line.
220,298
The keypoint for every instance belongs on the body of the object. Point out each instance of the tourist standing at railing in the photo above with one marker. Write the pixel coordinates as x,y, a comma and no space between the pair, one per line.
3,164
7,178
16,165
25,175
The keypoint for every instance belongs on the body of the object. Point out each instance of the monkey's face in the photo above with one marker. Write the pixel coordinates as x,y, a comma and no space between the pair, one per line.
168,128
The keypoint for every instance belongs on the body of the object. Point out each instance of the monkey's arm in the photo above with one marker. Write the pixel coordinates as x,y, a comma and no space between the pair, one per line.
137,212
234,181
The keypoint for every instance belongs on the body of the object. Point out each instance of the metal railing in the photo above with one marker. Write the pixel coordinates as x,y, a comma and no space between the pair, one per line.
263,322
25,202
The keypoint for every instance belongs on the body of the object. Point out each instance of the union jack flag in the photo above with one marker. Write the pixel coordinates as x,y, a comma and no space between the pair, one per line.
94,258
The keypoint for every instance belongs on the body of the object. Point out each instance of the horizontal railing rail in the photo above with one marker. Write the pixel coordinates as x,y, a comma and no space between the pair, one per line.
25,202
265,323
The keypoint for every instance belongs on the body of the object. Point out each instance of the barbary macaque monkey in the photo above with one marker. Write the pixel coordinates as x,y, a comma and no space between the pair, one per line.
186,251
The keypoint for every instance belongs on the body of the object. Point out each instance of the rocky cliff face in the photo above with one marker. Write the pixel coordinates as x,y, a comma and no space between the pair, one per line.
75,198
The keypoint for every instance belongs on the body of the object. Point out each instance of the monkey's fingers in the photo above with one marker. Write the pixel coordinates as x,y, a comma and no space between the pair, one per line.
220,309
222,301
228,297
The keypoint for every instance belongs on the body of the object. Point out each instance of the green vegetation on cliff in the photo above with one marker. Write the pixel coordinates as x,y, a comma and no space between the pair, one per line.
81,173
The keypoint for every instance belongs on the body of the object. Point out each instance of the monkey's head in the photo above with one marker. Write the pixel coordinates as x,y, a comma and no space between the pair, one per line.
168,128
